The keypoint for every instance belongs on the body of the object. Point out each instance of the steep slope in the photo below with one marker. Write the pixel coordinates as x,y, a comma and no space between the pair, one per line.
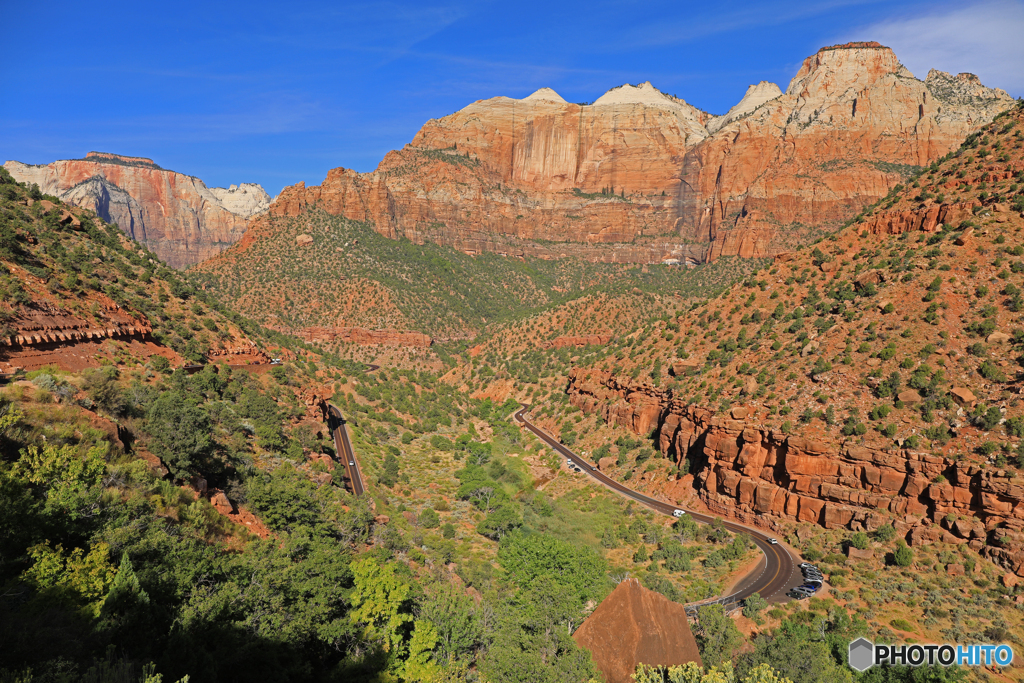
641,176
78,293
871,381
319,276
176,216
634,625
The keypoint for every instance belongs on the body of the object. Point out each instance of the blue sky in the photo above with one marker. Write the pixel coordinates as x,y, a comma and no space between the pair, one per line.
276,93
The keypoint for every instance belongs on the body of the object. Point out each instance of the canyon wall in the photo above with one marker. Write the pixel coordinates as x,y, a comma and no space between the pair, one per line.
851,125
642,176
175,215
760,475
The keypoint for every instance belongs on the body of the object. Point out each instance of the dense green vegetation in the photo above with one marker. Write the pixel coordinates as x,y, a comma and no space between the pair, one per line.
433,289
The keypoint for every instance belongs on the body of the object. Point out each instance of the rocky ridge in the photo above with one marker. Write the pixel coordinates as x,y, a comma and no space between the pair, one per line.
641,176
898,339
175,215
759,474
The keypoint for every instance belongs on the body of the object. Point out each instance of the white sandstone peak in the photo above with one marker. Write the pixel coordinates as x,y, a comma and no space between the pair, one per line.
545,95
245,200
755,96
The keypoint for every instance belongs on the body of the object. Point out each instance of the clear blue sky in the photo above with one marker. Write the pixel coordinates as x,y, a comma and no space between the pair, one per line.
275,92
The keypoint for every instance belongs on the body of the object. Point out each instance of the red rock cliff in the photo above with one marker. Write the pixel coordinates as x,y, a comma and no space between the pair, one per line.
640,176
174,215
852,121
761,475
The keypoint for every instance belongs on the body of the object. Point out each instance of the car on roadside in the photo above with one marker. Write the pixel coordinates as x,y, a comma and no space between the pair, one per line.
798,596
812,572
814,588
807,565
803,591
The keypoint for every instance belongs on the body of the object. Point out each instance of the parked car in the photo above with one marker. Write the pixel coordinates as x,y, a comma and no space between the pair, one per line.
812,572
803,591
798,596
807,565
813,587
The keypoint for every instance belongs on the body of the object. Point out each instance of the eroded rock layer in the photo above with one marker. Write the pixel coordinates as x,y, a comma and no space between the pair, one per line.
175,215
761,475
643,176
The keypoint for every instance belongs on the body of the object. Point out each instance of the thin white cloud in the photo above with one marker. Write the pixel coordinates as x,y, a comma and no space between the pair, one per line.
986,39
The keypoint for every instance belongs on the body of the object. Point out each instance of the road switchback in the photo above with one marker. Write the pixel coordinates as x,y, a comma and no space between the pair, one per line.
777,573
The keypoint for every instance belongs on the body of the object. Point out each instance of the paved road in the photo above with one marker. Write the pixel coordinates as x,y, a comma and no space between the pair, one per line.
778,571
343,446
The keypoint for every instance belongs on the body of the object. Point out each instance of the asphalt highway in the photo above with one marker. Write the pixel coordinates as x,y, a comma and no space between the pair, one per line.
778,571
343,446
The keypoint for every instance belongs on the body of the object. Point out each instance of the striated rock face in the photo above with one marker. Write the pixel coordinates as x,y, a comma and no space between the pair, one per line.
641,176
503,172
176,216
851,123
759,475
634,625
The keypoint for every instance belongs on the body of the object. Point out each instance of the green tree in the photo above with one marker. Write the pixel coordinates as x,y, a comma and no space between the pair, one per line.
381,603
420,666
753,606
456,621
181,433
717,635
641,556
500,522
529,557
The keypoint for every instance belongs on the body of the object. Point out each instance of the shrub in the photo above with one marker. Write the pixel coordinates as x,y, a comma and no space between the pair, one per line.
860,541
904,556
429,519
991,372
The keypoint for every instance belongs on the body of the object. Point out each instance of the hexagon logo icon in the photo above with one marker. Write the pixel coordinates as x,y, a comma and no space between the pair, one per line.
862,654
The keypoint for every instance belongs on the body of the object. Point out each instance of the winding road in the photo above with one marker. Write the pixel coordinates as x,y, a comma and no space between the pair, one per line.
343,447
776,574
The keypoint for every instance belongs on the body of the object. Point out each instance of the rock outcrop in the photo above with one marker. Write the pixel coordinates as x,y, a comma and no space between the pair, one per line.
635,625
175,215
852,123
763,475
642,176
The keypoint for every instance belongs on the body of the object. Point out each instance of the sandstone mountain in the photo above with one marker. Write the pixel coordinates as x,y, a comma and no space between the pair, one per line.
642,176
180,219
77,293
871,381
